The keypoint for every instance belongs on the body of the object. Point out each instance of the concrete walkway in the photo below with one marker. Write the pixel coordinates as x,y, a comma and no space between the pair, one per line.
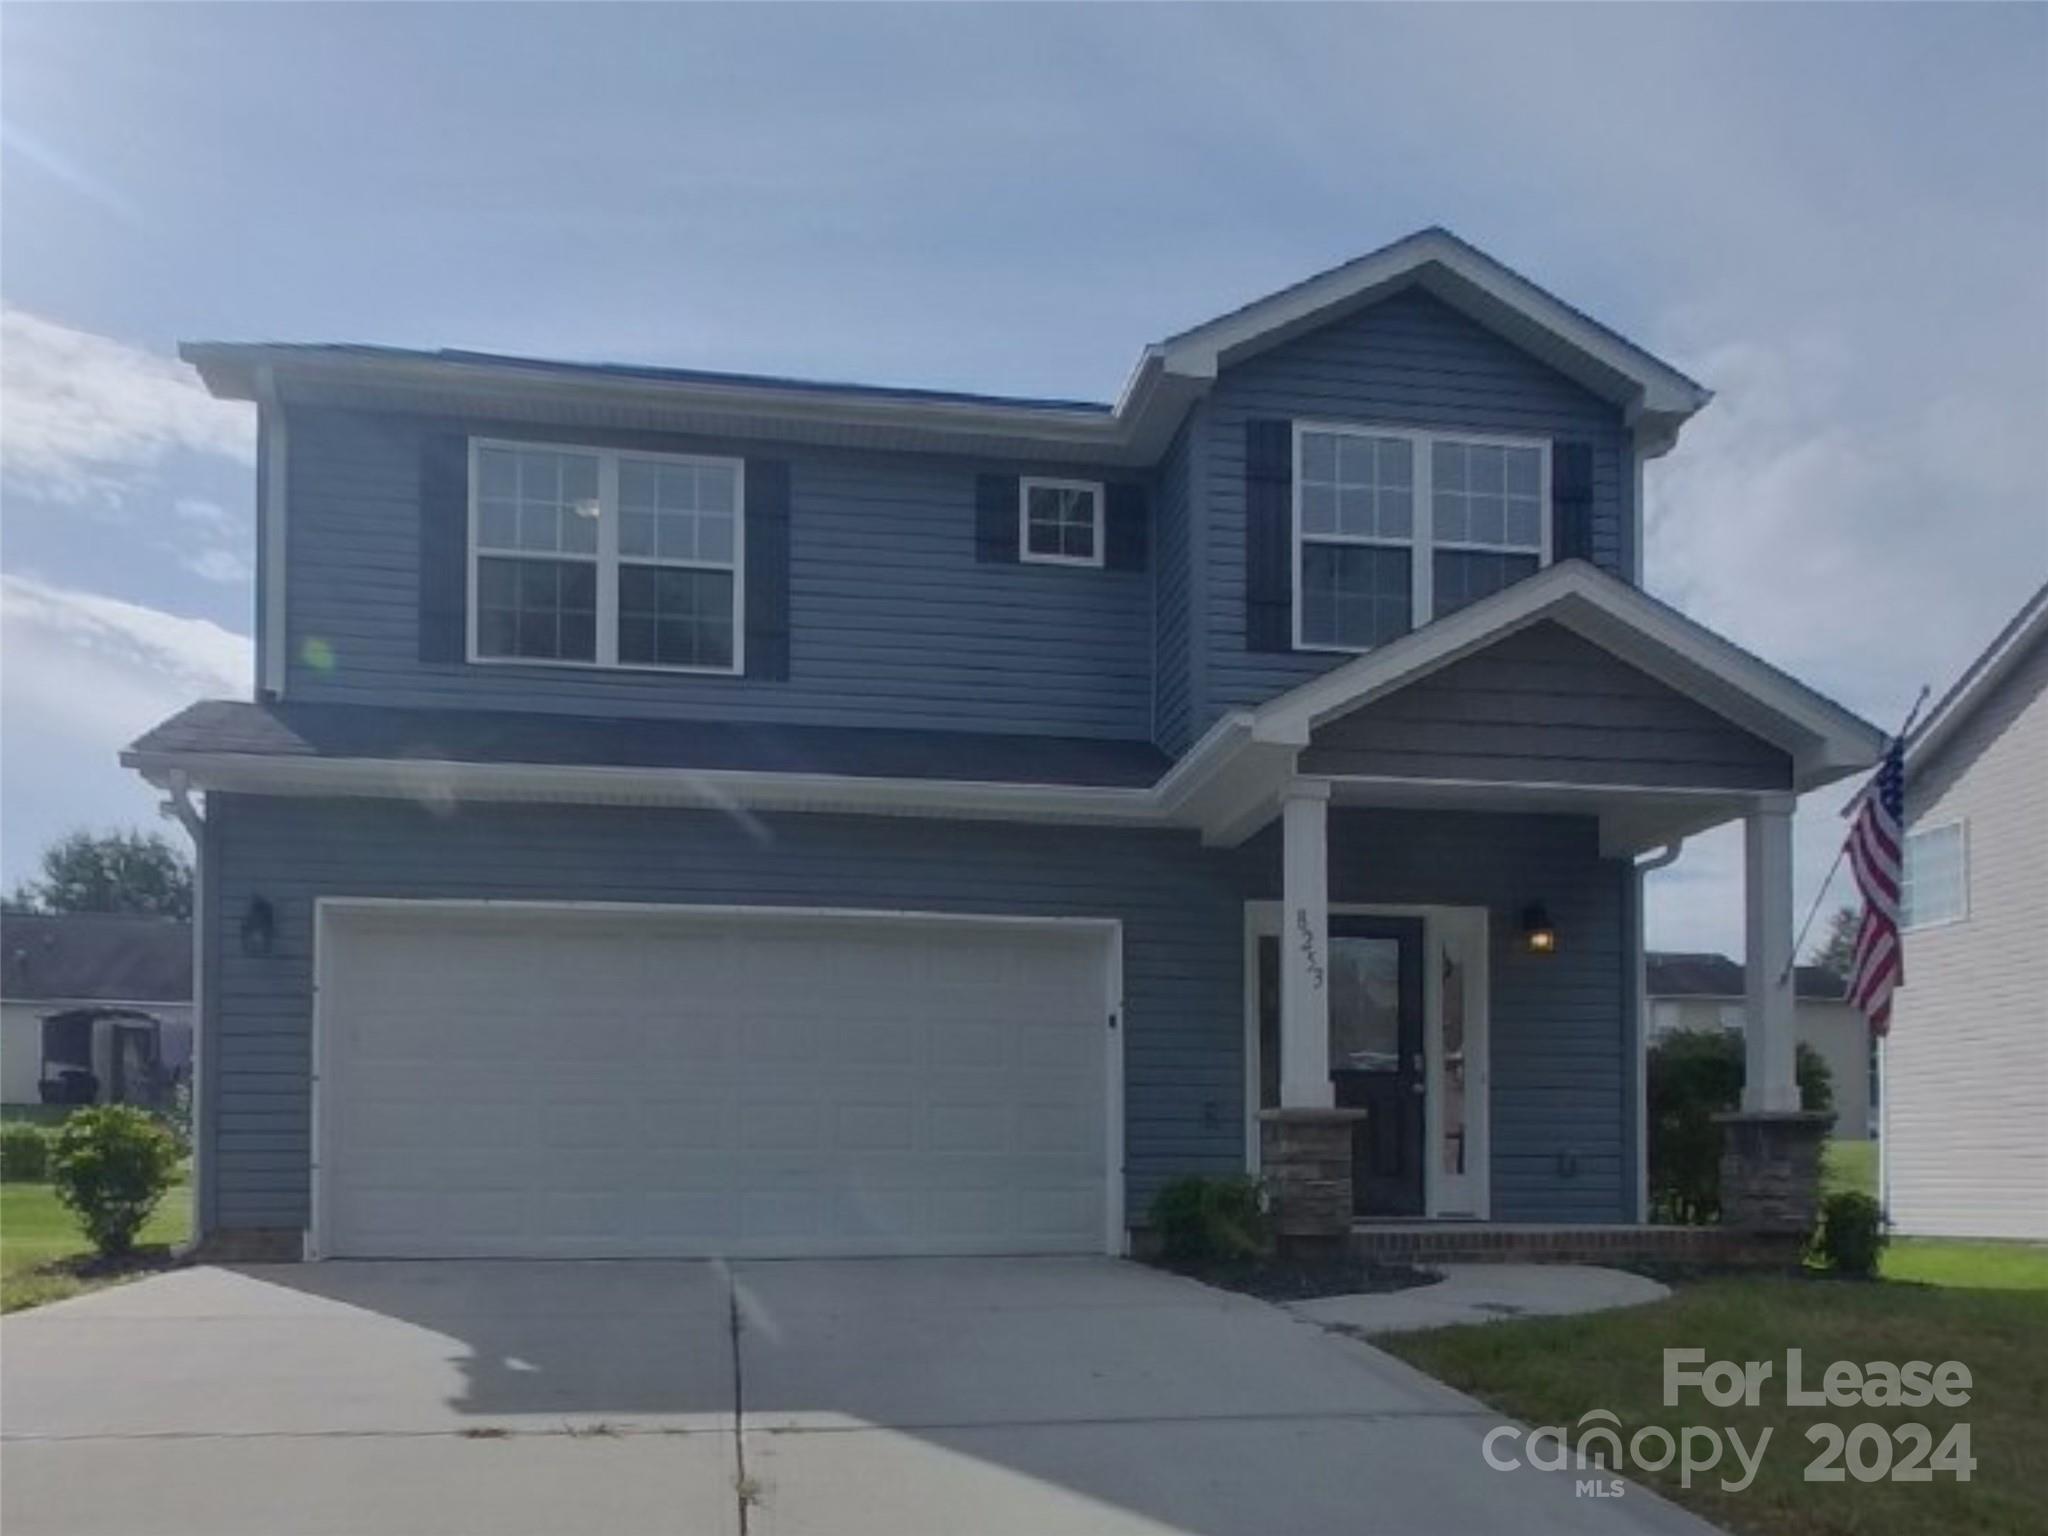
953,1397
1484,1293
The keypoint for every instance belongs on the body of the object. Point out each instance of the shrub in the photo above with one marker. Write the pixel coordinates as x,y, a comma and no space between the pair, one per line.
1851,1235
24,1153
1202,1220
111,1166
1693,1075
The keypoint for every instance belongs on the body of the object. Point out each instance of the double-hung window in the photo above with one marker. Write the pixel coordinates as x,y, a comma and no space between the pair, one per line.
1936,887
1393,528
1059,521
607,558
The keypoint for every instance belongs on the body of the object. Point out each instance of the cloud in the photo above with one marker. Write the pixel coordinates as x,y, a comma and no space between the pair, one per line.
87,417
84,675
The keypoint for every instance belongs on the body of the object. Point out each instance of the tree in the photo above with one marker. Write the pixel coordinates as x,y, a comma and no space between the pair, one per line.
1837,952
136,872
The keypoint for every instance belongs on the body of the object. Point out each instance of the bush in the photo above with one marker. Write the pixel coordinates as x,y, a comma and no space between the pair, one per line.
1693,1075
1202,1221
1851,1235
24,1153
111,1166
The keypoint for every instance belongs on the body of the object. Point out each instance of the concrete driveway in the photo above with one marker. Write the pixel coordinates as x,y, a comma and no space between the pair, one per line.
964,1397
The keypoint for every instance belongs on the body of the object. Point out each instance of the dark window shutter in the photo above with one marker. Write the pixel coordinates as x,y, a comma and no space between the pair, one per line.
1126,526
995,519
1571,501
767,569
444,548
1268,535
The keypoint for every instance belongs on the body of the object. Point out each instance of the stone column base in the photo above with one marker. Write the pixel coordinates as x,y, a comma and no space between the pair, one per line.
1770,1169
1305,1158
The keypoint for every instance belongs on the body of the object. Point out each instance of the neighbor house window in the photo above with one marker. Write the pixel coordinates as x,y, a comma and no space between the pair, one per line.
1060,521
599,557
1395,528
1937,884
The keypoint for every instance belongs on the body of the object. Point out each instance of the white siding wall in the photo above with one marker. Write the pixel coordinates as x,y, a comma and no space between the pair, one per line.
21,1053
1967,1061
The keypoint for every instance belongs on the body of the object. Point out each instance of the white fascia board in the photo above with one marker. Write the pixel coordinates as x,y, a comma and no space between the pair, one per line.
446,783
1985,674
1824,739
1661,392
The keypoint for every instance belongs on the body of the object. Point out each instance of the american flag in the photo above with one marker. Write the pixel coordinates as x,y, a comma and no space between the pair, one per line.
1875,844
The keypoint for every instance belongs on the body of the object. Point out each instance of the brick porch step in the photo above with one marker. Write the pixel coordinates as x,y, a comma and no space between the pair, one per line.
1479,1242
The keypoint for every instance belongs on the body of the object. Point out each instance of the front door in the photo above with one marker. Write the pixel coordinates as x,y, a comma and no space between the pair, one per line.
1376,1052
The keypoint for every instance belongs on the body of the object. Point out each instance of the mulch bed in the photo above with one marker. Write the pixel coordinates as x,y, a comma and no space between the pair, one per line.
1275,1279
141,1261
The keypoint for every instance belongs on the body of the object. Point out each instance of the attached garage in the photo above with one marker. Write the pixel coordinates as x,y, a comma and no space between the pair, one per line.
515,1080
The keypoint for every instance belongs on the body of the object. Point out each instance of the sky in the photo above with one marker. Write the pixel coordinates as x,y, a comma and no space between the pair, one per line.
1835,216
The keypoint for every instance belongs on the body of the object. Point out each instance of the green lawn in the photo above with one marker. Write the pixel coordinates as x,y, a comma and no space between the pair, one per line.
1849,1166
35,1232
1988,1308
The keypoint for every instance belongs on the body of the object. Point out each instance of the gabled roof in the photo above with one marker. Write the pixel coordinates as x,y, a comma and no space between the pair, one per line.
1979,680
1668,974
1656,395
1170,375
1825,741
94,957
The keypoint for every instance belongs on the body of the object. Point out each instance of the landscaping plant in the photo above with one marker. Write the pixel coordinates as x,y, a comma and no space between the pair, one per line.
1693,1075
1210,1220
24,1153
1850,1235
110,1166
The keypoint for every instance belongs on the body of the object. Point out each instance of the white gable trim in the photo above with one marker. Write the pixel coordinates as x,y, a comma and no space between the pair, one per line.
1824,740
1657,396
1980,681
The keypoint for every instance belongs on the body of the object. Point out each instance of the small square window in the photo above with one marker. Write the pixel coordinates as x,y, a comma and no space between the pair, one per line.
1061,522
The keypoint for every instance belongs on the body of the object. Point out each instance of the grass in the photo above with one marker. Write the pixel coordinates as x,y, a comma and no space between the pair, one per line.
42,1252
1849,1166
1993,1318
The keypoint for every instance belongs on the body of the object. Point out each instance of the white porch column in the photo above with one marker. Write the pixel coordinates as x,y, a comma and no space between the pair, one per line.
1770,1085
1305,946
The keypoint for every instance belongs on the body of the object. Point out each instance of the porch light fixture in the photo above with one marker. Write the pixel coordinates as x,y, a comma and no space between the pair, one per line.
259,928
1539,936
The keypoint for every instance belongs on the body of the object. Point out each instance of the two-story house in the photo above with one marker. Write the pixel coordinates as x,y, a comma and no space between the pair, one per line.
685,813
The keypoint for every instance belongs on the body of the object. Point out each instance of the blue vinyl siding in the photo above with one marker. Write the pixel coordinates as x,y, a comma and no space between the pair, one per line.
1558,1049
1172,597
893,622
1410,361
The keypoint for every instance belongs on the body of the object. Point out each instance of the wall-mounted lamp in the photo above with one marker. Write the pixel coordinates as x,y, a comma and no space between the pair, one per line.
1539,936
259,928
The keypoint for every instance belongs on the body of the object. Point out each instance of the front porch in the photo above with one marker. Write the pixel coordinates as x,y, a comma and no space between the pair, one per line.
1445,941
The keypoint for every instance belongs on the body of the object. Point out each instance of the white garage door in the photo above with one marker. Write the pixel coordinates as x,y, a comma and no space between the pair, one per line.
551,1082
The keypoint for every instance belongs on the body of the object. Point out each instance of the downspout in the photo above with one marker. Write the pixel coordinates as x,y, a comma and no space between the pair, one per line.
1663,858
179,807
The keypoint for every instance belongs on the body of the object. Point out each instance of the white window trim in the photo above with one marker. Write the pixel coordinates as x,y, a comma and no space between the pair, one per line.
1025,487
608,560
1962,912
1422,542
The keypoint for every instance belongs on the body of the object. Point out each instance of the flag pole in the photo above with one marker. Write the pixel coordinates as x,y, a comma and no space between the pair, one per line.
1842,852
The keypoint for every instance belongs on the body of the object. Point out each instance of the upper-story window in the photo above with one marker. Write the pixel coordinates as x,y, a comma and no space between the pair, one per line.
1936,887
1059,521
607,558
1393,528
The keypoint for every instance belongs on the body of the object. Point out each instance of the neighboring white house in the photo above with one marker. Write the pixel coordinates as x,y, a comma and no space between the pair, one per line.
99,1003
1704,991
1966,1063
